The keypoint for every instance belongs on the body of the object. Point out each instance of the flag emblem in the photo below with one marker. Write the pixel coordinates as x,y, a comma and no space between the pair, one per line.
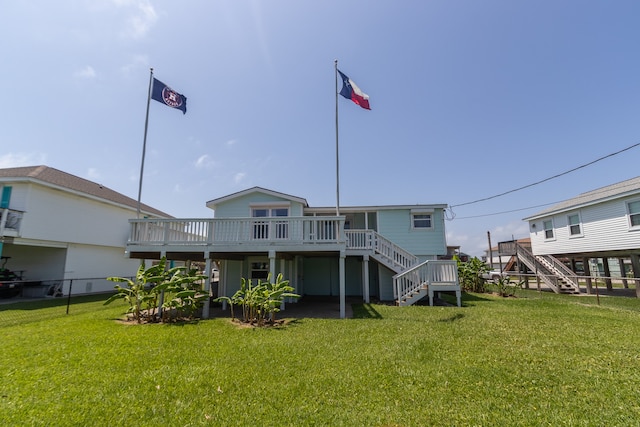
169,97
351,91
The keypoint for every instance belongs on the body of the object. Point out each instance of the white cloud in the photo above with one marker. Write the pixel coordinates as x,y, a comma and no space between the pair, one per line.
87,72
14,160
136,62
140,17
231,142
93,174
239,177
204,162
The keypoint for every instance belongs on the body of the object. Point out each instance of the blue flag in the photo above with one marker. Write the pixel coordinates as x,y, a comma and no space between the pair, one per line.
163,93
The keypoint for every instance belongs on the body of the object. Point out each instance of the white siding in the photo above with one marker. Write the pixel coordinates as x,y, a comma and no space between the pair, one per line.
90,265
605,227
59,216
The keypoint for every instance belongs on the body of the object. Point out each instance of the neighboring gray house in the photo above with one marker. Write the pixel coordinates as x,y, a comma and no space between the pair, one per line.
56,227
387,252
603,224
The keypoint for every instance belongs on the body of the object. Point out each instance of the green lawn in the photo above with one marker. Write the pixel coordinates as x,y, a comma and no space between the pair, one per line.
539,359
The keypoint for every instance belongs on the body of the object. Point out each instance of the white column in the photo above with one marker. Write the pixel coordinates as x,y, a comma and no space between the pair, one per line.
365,278
343,301
272,265
163,254
207,285
222,282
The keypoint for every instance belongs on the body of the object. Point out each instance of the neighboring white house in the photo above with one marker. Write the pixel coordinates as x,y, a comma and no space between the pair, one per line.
600,224
387,252
56,227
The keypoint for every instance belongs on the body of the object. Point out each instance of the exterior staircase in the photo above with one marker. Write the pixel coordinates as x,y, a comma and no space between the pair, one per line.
425,279
414,280
550,270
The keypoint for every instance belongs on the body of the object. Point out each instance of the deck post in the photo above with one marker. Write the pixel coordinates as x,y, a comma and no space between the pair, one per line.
587,272
623,273
207,285
365,278
607,273
635,265
342,285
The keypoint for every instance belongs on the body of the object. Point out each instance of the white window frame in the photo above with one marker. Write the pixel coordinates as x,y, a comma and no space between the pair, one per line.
633,215
414,218
261,229
545,229
570,225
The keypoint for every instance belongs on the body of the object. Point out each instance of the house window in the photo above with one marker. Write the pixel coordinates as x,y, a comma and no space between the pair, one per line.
574,225
259,271
421,220
548,229
261,228
634,213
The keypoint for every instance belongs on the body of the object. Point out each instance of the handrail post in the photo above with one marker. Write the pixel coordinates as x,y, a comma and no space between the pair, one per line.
69,297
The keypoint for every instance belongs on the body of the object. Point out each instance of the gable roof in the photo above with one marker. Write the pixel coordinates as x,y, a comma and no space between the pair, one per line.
329,209
610,192
55,178
213,203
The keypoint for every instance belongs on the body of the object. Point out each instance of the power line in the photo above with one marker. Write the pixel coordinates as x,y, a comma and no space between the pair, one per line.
548,179
595,192
505,212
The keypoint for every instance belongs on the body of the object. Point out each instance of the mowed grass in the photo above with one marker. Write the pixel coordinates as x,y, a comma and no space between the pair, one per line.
539,359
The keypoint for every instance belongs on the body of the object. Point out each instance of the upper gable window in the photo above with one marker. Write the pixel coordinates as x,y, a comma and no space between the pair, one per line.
270,229
575,228
548,229
269,212
634,213
421,220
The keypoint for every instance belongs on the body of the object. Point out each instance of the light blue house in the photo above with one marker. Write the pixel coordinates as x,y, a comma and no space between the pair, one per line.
387,252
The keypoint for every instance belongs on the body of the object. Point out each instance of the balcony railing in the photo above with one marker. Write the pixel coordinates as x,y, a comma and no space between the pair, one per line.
190,232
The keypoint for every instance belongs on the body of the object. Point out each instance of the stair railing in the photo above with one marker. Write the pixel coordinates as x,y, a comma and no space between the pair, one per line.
563,271
420,276
536,266
393,255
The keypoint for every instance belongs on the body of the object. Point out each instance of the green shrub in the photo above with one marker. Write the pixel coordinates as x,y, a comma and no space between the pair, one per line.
470,275
180,288
261,302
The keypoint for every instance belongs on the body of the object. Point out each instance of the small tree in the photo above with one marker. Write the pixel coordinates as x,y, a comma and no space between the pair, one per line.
139,293
183,293
181,288
470,274
261,302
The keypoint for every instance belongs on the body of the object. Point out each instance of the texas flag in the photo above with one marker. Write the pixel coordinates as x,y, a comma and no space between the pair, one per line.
351,91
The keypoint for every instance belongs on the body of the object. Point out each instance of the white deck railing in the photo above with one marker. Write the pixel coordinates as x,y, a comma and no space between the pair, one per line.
236,230
370,240
433,272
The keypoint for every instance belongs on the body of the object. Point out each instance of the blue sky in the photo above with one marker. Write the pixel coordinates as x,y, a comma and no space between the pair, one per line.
469,99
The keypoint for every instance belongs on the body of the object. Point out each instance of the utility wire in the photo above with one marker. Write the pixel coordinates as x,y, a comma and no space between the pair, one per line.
505,212
548,179
595,192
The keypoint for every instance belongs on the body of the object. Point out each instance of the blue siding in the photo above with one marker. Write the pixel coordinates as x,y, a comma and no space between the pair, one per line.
240,207
321,276
396,226
233,276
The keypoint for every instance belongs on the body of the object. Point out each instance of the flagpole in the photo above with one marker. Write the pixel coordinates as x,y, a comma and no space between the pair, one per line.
337,150
144,142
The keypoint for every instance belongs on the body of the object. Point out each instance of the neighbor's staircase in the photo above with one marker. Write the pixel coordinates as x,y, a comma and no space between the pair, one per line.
414,280
550,270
